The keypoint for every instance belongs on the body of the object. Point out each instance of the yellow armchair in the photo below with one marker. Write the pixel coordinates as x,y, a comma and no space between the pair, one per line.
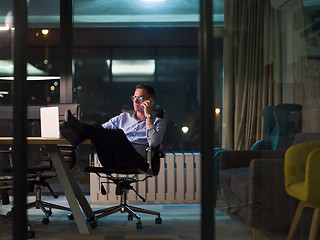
302,180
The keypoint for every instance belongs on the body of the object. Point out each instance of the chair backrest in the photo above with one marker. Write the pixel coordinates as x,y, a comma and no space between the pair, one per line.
269,121
306,137
68,152
73,107
33,117
288,123
282,123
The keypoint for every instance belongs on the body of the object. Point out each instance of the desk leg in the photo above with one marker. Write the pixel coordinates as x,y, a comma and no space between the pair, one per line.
70,188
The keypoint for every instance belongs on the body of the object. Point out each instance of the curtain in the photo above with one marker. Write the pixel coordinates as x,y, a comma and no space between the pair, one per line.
251,70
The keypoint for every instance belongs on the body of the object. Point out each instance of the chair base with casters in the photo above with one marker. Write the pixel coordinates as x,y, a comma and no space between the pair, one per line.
123,185
46,206
123,180
41,174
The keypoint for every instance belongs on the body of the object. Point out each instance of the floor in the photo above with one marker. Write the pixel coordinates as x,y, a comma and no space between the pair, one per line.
179,221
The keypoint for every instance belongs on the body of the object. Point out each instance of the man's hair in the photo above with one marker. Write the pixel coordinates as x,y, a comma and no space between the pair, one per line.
150,89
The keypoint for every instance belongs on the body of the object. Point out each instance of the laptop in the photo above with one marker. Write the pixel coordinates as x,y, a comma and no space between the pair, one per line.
49,122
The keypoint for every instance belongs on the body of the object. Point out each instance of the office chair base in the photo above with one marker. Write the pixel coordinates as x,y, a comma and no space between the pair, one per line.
42,205
131,210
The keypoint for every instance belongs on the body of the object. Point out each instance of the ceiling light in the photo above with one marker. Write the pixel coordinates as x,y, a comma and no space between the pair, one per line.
133,67
33,78
7,67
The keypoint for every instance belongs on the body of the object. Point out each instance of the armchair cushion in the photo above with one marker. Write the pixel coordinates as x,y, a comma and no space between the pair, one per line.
240,184
227,178
242,158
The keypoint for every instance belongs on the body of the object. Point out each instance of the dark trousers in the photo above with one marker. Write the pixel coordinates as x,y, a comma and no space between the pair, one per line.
113,148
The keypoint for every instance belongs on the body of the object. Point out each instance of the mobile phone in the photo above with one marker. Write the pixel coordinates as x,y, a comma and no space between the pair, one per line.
151,101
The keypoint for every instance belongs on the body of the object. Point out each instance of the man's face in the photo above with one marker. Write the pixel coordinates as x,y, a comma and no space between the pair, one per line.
137,102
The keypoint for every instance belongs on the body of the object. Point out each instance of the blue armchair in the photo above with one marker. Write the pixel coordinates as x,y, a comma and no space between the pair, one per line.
282,122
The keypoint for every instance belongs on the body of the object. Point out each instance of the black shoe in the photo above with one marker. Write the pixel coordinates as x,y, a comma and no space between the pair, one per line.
74,123
70,134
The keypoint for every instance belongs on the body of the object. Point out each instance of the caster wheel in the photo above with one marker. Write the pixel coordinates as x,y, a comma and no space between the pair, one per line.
93,224
158,220
70,216
31,234
50,212
91,219
139,225
130,217
45,221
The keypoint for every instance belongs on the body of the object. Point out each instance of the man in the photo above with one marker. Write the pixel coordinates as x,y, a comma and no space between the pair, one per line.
122,141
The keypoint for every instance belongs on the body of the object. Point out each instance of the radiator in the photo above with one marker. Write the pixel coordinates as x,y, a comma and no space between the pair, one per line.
178,182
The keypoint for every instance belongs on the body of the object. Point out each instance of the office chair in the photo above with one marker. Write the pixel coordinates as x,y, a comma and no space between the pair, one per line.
302,179
123,178
6,184
44,171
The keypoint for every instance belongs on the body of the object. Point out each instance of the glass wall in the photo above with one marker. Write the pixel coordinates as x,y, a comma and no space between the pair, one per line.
265,54
6,59
270,103
165,34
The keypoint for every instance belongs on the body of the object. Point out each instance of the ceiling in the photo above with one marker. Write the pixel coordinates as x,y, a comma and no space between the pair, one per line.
106,13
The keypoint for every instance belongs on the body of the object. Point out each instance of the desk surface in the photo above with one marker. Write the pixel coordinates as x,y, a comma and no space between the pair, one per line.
41,140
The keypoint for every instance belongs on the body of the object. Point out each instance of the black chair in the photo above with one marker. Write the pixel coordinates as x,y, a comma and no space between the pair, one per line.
123,178
6,185
44,171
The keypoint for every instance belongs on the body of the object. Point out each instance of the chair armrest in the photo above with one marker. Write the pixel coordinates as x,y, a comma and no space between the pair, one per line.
154,162
242,158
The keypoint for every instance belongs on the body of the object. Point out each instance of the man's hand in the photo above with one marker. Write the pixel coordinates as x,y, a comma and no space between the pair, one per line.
147,107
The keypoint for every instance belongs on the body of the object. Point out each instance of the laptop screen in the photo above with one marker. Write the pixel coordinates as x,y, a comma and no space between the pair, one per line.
49,122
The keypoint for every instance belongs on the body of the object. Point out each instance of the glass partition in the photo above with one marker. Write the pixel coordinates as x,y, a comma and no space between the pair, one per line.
6,63
266,54
270,109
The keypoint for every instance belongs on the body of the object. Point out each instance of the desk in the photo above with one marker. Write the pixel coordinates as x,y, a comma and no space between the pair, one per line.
69,185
